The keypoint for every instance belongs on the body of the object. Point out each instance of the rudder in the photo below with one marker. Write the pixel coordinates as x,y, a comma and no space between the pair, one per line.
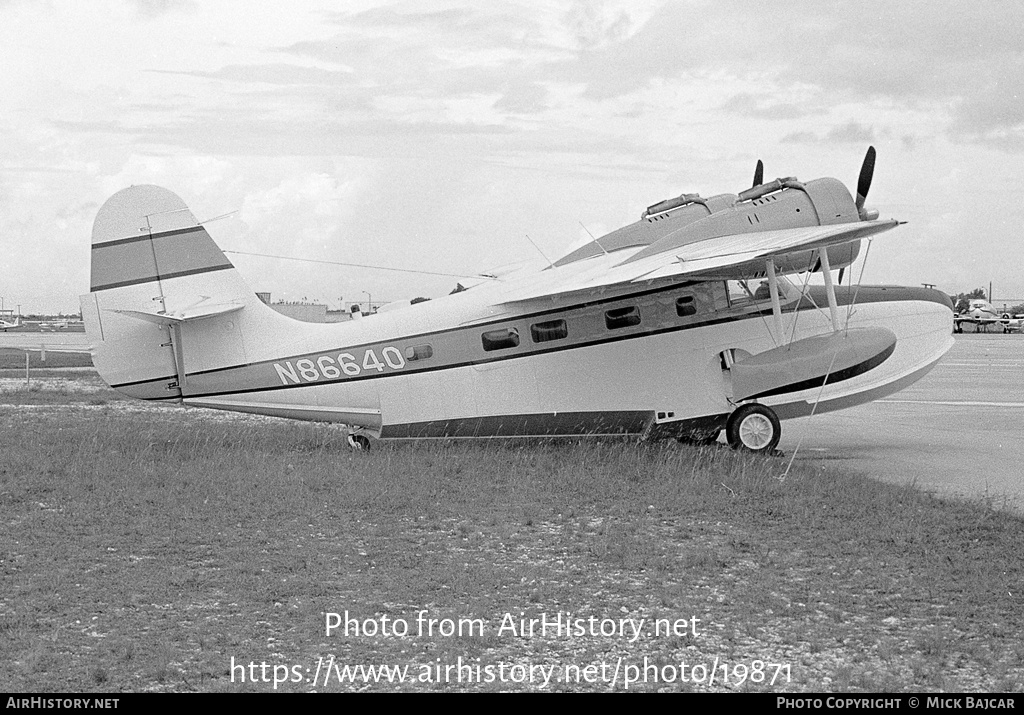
153,268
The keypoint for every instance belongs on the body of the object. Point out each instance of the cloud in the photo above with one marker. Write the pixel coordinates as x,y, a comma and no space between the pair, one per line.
767,105
594,25
156,8
384,17
523,98
848,133
851,132
277,74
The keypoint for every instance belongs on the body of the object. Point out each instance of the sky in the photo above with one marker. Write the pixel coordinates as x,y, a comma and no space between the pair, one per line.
446,136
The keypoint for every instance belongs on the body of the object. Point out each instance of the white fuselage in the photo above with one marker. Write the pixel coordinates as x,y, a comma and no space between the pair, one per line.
599,377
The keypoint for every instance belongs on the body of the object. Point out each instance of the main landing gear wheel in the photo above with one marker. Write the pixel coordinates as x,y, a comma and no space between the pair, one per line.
359,442
754,428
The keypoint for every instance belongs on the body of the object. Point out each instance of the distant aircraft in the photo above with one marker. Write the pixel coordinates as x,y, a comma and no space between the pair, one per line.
64,324
4,324
654,330
982,314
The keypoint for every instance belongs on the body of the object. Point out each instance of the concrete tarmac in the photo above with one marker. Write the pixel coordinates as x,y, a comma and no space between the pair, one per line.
959,431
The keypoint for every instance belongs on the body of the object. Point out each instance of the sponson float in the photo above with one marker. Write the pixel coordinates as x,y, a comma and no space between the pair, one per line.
681,324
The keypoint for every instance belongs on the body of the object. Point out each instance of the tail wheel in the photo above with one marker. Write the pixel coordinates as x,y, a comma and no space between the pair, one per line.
755,428
359,442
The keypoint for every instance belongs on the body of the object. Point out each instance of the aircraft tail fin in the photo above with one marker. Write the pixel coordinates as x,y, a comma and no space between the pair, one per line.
158,283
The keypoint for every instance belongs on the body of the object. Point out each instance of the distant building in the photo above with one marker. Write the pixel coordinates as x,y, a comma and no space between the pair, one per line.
1005,303
306,312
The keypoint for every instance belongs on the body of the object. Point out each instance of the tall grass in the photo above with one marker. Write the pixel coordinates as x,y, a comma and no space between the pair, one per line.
142,550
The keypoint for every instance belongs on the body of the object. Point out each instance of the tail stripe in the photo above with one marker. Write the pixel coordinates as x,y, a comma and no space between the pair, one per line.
161,277
147,236
144,259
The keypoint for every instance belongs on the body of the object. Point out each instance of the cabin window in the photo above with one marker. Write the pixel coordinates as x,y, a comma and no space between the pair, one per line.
622,317
745,293
550,330
500,339
418,352
685,305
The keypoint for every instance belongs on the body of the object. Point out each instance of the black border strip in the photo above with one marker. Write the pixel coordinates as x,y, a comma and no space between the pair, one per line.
866,296
537,424
447,366
161,277
499,321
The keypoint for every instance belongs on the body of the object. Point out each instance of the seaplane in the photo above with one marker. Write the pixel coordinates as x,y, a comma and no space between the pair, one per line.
983,315
687,322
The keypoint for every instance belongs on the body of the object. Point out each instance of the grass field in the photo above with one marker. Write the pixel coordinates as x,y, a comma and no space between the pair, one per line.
143,548
15,360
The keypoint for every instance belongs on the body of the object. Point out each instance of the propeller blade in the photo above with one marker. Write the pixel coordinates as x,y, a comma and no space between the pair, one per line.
758,174
864,182
841,271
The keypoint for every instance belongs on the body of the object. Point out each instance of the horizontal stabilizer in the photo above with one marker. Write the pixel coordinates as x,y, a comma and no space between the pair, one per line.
198,313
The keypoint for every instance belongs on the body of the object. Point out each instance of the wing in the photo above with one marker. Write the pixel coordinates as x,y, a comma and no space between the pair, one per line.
725,257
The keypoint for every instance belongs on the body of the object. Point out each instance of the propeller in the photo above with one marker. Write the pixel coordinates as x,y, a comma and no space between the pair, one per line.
867,169
758,174
841,270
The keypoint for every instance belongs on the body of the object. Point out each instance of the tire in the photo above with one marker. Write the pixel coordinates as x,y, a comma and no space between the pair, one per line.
754,428
359,442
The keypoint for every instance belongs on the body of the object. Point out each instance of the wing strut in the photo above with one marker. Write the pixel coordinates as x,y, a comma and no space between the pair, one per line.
830,289
773,288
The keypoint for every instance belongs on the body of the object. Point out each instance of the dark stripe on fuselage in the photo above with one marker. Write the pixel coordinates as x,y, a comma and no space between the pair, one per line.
485,324
547,424
868,294
559,424
447,366
865,295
